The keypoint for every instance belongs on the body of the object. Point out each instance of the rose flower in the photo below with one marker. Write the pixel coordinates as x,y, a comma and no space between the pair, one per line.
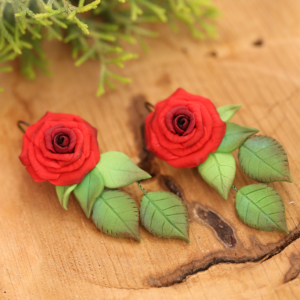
184,129
60,148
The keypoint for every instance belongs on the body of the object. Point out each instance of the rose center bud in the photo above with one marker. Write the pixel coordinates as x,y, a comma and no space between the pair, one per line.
180,123
180,120
61,143
60,139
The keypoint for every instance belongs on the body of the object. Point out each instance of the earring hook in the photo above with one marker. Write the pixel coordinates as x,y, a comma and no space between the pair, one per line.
20,124
149,106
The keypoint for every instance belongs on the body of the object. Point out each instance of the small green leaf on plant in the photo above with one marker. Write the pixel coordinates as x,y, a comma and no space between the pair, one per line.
63,193
228,111
118,170
164,215
260,206
263,158
234,137
219,172
116,214
89,190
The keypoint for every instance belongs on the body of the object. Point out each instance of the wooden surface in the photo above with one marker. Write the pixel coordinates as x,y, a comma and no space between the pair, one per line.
49,253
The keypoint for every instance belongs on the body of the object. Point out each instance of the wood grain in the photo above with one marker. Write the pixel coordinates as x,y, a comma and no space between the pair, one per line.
49,253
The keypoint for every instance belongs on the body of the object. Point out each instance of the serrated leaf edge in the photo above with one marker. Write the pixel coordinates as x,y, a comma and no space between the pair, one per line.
102,172
261,211
250,130
134,236
288,176
185,238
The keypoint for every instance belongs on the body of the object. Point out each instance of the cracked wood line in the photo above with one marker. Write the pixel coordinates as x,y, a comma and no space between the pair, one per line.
49,253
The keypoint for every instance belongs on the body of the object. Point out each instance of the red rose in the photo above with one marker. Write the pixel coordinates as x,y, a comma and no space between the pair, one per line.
184,129
61,148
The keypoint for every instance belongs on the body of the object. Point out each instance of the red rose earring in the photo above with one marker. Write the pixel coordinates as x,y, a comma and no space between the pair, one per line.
63,149
184,129
187,131
60,148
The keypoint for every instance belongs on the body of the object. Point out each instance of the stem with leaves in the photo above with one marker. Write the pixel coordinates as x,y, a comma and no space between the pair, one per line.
141,188
94,29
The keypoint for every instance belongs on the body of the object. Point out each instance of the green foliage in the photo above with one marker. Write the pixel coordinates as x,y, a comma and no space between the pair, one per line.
219,172
164,215
116,214
63,194
113,212
94,29
118,170
260,206
235,136
228,111
89,190
264,159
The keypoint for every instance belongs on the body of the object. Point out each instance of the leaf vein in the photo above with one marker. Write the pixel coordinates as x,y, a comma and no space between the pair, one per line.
106,202
171,223
254,154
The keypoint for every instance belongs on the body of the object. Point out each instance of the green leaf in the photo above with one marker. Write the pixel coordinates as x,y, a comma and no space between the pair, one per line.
219,172
263,158
89,190
116,214
260,206
63,193
164,215
235,136
228,111
118,170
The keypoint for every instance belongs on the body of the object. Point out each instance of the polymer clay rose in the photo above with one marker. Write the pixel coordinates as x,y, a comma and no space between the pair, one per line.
184,129
60,148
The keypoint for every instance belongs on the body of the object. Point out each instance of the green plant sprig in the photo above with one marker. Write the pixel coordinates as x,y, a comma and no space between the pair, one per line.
94,29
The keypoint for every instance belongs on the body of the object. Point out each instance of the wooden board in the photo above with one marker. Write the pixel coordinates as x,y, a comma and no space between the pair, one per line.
49,253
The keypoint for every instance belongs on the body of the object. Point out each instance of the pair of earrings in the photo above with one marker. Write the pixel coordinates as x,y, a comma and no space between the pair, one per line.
186,131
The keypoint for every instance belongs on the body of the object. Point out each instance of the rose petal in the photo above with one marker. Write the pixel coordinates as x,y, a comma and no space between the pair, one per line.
48,136
182,122
41,133
201,138
55,156
33,174
47,162
152,143
177,129
86,131
32,129
172,114
62,141
77,175
63,148
194,159
68,132
162,128
39,169
71,167
24,154
67,158
170,140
